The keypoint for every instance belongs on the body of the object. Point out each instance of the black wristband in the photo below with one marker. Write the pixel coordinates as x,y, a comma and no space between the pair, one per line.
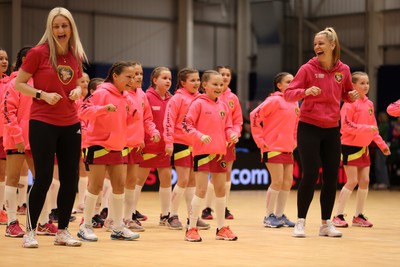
38,94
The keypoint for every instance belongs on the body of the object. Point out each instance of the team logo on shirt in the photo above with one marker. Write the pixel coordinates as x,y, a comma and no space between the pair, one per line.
65,74
223,164
222,114
231,104
370,111
338,77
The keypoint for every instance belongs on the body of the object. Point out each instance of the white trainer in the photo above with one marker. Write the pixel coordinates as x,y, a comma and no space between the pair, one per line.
123,233
134,225
329,229
86,232
29,240
298,230
64,238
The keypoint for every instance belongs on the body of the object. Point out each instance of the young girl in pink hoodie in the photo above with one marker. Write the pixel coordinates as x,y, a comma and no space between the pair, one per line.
137,128
394,109
209,148
108,112
273,127
177,142
359,129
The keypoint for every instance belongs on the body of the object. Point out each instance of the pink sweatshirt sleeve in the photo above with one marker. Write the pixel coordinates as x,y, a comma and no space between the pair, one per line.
190,120
149,126
394,109
348,124
237,117
296,90
10,107
171,114
255,124
89,111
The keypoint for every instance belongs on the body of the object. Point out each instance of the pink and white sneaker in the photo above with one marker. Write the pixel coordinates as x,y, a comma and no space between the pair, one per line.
48,228
361,221
14,230
339,221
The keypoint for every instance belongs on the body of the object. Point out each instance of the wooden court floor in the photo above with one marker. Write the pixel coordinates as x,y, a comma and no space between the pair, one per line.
256,246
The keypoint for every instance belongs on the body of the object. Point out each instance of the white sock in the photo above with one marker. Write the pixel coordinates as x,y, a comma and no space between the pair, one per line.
210,196
54,188
2,194
23,190
220,204
106,193
44,214
128,203
11,199
272,196
189,193
196,206
177,193
227,191
281,203
361,199
98,203
343,197
116,205
138,191
90,203
82,186
165,199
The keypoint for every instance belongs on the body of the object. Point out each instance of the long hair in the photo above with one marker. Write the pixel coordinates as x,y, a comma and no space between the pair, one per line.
182,76
278,78
156,73
74,42
21,54
332,37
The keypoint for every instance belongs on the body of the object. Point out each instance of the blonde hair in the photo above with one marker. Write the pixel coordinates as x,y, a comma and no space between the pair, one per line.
156,73
356,75
332,37
74,42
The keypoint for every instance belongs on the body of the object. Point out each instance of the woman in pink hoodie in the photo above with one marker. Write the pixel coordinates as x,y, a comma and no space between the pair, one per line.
273,127
209,148
359,129
108,112
321,83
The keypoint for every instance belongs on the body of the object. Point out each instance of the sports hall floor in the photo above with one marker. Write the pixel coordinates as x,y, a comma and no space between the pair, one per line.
256,246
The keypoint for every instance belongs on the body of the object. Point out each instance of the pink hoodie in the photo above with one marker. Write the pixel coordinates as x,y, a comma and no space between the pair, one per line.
177,108
158,107
233,103
107,129
279,120
209,117
394,109
3,84
322,110
143,119
357,119
16,112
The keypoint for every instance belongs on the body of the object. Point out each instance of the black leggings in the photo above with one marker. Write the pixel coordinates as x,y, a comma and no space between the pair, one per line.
318,147
46,140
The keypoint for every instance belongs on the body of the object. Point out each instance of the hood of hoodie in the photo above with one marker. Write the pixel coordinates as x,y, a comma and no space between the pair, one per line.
152,91
183,91
315,63
111,88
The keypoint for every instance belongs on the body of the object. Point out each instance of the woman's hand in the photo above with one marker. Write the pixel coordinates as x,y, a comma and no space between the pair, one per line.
50,98
75,94
354,94
313,90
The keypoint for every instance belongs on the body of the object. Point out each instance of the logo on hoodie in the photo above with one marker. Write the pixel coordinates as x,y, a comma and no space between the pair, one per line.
338,77
222,114
231,104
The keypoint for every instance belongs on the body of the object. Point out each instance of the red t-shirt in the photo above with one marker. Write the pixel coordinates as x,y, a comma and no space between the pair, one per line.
62,82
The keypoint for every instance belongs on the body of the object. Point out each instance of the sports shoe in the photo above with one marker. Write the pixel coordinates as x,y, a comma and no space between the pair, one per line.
3,217
48,228
134,225
14,230
163,219
22,210
97,221
272,222
200,224
123,234
86,232
139,216
206,214
29,240
329,229
339,221
286,222
53,216
228,214
298,230
108,224
80,208
64,238
225,233
174,223
104,213
192,235
361,221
